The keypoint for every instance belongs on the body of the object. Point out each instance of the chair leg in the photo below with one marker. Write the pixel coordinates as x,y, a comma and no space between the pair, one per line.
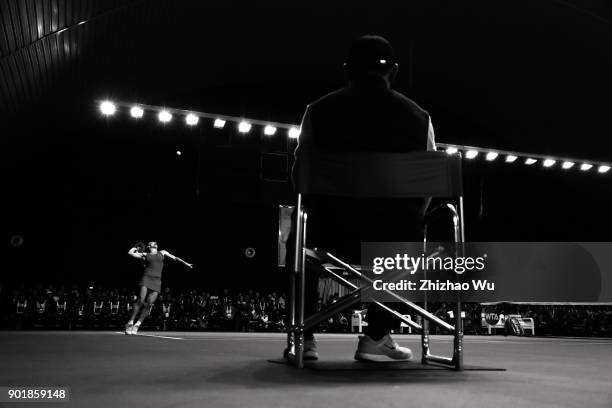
302,294
458,339
424,322
424,341
290,350
459,248
298,328
457,359
293,350
300,272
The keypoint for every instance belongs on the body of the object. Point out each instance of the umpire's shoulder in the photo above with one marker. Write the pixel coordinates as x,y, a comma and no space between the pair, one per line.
328,101
409,104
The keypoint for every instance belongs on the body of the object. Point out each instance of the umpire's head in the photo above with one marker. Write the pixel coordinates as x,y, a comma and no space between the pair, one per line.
371,56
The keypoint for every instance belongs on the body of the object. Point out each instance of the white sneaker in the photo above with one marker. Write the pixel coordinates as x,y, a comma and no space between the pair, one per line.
129,328
310,349
134,329
381,350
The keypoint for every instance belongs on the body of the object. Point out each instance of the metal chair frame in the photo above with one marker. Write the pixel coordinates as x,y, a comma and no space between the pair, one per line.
298,323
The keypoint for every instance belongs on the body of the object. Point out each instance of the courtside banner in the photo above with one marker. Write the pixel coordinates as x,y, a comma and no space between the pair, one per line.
487,271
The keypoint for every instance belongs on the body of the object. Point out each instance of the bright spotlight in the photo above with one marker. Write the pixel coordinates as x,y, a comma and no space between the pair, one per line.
492,156
567,165
164,116
108,108
192,119
219,123
136,112
451,150
529,161
294,132
269,130
511,158
470,154
548,162
244,127
585,166
603,169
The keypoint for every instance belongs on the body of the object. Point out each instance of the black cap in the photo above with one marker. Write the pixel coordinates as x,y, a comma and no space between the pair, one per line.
370,52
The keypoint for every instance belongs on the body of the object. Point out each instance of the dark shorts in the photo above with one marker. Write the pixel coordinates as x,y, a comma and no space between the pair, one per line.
151,282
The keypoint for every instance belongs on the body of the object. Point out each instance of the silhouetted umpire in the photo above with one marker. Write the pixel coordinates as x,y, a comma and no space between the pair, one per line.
365,116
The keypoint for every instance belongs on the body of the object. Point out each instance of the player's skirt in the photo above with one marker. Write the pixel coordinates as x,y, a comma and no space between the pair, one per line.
151,282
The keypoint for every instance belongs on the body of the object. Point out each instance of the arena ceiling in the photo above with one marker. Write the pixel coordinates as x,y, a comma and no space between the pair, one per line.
526,75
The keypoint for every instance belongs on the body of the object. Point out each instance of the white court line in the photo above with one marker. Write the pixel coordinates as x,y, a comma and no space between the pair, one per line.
155,335
449,340
330,338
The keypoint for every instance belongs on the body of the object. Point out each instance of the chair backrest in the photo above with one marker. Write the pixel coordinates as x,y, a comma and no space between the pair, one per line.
383,175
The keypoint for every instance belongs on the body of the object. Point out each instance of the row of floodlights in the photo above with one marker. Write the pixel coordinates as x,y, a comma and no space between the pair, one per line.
510,158
108,108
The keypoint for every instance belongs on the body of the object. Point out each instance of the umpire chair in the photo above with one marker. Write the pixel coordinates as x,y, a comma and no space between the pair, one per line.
360,175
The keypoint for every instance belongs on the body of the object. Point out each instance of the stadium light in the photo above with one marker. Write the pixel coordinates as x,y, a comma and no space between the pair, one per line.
269,130
492,156
470,154
192,119
164,116
136,112
244,127
294,132
108,108
567,165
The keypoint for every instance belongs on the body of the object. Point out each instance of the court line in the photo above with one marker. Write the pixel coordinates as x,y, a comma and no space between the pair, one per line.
277,337
154,335
449,340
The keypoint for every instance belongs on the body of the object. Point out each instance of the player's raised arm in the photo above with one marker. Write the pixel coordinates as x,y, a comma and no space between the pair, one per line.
137,251
176,258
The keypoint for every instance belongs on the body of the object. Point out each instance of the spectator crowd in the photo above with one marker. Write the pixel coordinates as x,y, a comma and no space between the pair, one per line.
86,308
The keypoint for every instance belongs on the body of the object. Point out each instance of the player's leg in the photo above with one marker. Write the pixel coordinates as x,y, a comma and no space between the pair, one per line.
136,310
146,309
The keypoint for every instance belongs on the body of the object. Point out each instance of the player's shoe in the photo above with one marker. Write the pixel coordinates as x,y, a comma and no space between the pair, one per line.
381,350
129,328
134,329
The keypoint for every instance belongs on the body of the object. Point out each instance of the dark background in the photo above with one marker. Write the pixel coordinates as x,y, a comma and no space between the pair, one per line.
530,76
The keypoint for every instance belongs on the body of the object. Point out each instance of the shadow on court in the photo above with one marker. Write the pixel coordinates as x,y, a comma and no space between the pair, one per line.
275,373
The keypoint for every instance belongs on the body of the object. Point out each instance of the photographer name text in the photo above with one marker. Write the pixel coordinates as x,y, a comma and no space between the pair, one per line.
434,285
